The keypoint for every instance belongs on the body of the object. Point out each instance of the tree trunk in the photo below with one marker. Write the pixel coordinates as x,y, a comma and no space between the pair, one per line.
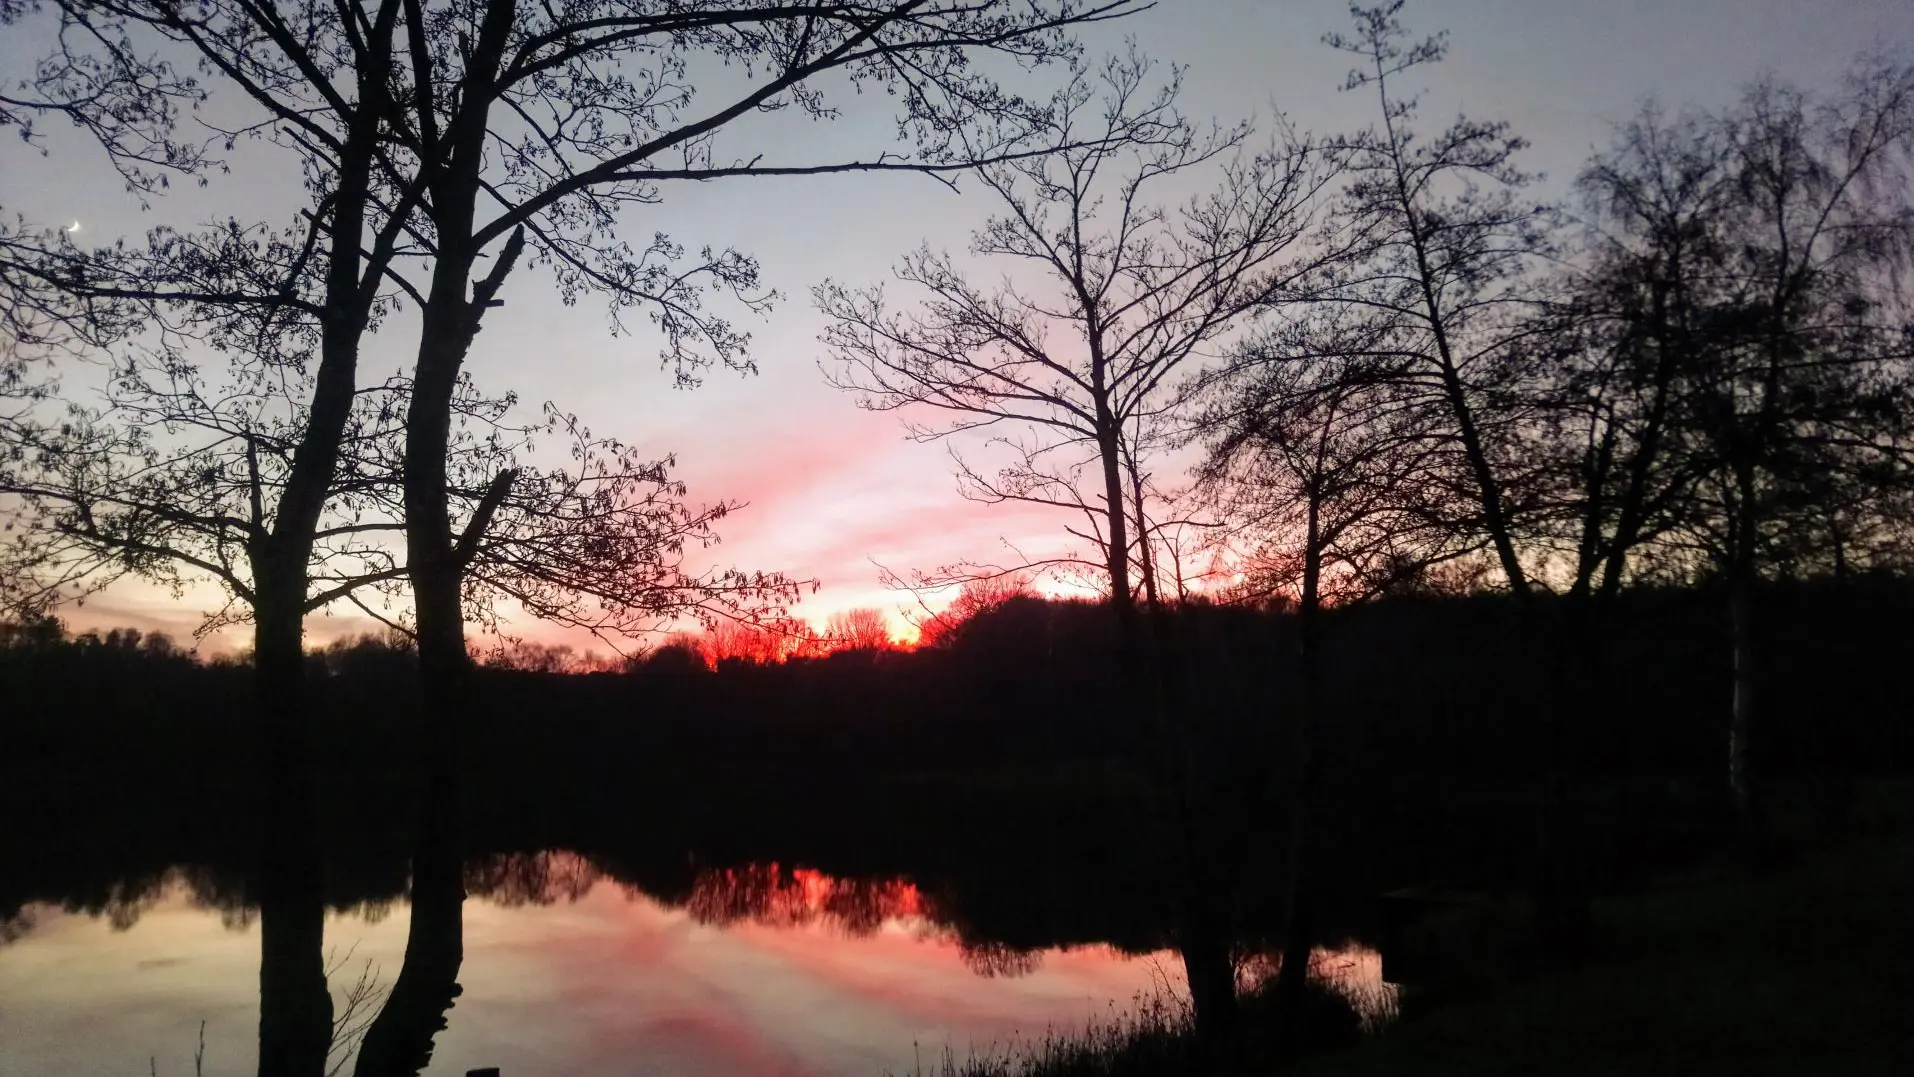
1741,777
1204,939
1117,557
1293,975
1671,354
427,983
1742,782
1563,918
399,1041
295,1009
1212,979
1146,558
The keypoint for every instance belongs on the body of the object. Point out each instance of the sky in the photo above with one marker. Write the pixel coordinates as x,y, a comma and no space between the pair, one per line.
834,492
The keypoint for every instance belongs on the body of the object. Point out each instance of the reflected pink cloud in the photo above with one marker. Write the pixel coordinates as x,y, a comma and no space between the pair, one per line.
802,995
724,1043
923,976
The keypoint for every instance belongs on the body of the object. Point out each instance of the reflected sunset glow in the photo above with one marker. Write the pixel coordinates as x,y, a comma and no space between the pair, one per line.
765,969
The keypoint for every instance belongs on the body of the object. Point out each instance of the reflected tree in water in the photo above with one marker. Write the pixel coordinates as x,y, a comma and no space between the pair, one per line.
531,878
15,926
797,897
995,959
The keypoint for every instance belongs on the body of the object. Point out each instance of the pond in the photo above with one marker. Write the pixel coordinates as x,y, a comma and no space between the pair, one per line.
759,969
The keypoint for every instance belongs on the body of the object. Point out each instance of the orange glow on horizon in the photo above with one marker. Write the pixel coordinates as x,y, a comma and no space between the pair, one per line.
791,897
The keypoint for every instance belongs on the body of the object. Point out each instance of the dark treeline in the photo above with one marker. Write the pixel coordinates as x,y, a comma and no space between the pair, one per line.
990,760
370,887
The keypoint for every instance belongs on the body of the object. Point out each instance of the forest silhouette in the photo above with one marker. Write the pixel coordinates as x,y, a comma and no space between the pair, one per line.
995,750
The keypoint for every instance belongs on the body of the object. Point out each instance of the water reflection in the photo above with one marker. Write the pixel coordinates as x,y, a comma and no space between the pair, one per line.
749,970
15,927
531,878
793,897
573,966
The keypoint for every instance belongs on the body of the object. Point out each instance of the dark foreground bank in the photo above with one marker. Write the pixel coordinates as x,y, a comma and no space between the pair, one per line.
1797,970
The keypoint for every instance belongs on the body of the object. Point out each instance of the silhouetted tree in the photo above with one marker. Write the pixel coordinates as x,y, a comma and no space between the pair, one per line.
1318,473
541,126
858,630
1795,389
531,657
974,597
1314,466
754,643
1637,319
1442,270
1084,366
1445,270
291,302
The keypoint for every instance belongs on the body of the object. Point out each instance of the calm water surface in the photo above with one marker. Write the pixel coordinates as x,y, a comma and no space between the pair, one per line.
762,972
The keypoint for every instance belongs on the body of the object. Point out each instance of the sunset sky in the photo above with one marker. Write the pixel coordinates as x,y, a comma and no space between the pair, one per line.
835,491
